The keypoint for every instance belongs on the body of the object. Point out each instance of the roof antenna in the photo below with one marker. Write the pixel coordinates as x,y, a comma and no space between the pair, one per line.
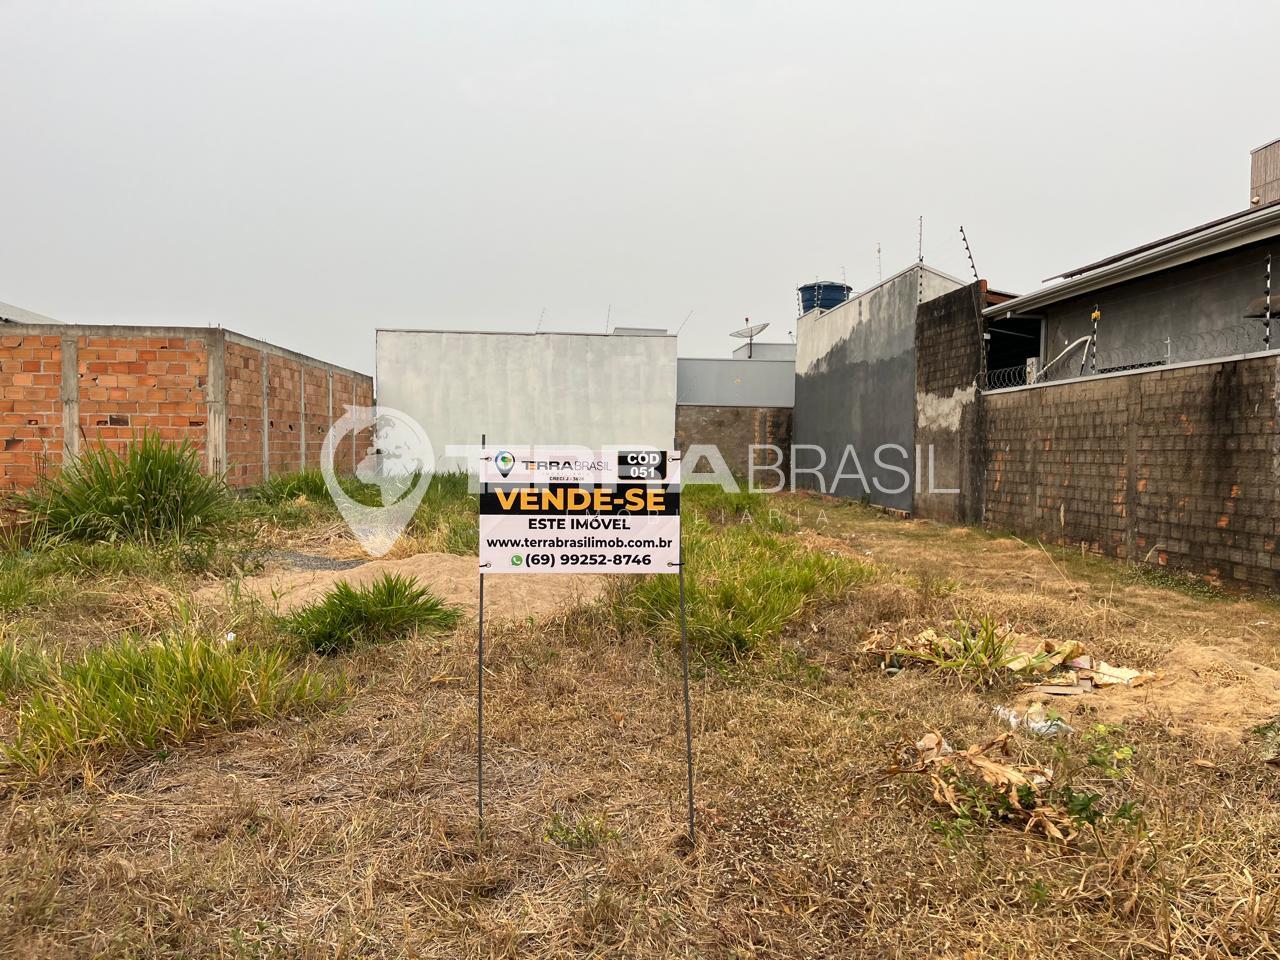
969,253
608,314
879,265
920,240
683,322
538,328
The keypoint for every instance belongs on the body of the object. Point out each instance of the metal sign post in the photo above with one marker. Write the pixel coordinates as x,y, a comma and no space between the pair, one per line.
480,692
688,710
575,510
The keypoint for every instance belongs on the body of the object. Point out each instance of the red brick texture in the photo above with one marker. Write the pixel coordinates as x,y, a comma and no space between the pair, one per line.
30,406
1179,468
291,419
244,368
170,382
131,385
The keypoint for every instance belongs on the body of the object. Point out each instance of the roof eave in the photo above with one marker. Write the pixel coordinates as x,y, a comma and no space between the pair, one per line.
1227,236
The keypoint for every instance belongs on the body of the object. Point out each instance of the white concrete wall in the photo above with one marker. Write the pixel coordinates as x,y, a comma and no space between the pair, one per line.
548,388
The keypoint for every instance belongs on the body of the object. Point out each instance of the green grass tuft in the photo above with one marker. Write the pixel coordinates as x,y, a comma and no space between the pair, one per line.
448,517
579,833
282,489
136,695
152,493
20,587
20,666
388,609
743,586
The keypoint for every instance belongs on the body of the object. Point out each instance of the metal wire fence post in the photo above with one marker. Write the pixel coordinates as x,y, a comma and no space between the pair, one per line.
688,712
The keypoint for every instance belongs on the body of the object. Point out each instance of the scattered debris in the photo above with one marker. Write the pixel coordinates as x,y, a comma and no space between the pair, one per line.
1270,741
1037,719
1060,667
979,781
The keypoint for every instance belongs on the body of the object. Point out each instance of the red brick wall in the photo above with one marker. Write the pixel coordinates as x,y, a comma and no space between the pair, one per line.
138,379
284,414
364,439
316,384
342,398
30,408
130,385
287,377
244,415
1179,468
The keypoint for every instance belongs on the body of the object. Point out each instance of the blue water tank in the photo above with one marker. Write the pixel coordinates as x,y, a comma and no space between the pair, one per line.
823,294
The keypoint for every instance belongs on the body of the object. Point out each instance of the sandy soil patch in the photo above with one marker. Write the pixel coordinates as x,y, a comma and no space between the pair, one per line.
453,578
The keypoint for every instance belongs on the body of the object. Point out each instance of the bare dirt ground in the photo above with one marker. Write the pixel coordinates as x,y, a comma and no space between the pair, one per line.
1216,663
453,578
354,833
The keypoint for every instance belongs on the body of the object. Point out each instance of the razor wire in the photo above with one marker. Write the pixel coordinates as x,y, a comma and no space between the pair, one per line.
1240,338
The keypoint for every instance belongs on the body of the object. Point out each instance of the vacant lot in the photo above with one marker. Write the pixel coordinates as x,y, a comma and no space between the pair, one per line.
305,784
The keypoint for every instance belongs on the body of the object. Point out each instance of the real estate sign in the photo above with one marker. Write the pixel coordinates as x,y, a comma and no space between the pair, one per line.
569,510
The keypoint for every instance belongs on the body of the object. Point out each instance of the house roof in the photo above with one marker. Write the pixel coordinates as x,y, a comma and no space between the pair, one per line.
11,314
1216,236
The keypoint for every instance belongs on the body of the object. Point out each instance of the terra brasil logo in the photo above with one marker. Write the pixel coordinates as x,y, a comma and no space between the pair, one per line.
388,450
505,462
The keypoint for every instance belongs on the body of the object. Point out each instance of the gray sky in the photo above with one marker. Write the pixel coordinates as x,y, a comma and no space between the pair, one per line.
308,171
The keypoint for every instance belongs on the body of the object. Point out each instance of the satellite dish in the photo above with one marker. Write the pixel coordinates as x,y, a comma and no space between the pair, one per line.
748,334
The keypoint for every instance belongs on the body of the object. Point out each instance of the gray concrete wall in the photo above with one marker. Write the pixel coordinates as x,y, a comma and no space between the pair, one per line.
855,386
765,351
736,383
1200,306
594,390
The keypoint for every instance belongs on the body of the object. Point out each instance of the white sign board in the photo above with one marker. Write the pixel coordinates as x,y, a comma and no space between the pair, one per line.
570,510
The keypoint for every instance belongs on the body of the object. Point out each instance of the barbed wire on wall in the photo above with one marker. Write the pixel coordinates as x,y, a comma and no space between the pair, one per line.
1092,358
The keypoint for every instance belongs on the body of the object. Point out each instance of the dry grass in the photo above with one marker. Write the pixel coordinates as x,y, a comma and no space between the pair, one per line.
353,833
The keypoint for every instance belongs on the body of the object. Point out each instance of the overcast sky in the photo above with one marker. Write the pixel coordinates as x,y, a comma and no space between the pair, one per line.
306,172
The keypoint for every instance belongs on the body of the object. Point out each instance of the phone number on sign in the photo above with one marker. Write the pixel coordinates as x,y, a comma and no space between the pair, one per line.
584,560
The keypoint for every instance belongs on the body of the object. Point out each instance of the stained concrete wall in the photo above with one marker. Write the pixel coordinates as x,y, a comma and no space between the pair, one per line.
949,348
855,386
1190,304
593,390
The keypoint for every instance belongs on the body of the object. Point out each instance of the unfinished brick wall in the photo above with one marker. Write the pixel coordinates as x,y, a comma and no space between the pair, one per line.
244,368
128,385
1177,467
284,415
64,389
31,435
734,430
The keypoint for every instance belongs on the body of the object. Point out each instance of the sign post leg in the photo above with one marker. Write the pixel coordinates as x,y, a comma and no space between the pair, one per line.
480,715
480,693
688,713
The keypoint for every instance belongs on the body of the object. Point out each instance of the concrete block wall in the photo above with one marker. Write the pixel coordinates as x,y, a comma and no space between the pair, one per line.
64,389
1177,467
734,430
949,355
